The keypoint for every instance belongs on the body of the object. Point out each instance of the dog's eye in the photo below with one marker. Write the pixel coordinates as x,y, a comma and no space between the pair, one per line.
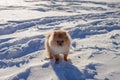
60,41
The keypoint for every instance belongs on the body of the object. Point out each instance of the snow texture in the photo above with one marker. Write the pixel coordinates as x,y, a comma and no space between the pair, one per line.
94,27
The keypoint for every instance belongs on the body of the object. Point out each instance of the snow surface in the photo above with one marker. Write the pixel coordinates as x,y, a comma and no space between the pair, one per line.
94,26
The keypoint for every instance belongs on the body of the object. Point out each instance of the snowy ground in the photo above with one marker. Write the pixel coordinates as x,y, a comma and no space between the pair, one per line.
94,26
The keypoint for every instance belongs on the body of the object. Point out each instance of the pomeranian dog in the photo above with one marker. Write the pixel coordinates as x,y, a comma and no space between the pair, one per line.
57,43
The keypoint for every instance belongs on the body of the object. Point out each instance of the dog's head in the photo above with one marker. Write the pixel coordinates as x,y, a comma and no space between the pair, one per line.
61,38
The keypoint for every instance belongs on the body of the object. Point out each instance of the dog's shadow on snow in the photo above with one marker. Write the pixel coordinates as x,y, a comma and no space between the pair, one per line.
68,71
65,70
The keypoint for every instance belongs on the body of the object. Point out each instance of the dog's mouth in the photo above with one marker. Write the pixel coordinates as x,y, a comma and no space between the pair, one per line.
60,42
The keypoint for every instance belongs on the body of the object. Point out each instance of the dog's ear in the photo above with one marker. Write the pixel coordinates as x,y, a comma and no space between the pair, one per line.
47,35
55,32
65,33
67,36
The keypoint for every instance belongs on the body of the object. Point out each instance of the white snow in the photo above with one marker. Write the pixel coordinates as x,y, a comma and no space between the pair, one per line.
94,26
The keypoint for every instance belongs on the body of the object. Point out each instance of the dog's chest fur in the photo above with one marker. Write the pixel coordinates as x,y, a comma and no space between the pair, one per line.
59,49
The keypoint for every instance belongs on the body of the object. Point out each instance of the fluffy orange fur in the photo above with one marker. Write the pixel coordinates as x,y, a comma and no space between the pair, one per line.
58,42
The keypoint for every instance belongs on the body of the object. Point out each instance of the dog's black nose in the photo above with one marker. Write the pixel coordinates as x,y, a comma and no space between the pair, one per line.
60,43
